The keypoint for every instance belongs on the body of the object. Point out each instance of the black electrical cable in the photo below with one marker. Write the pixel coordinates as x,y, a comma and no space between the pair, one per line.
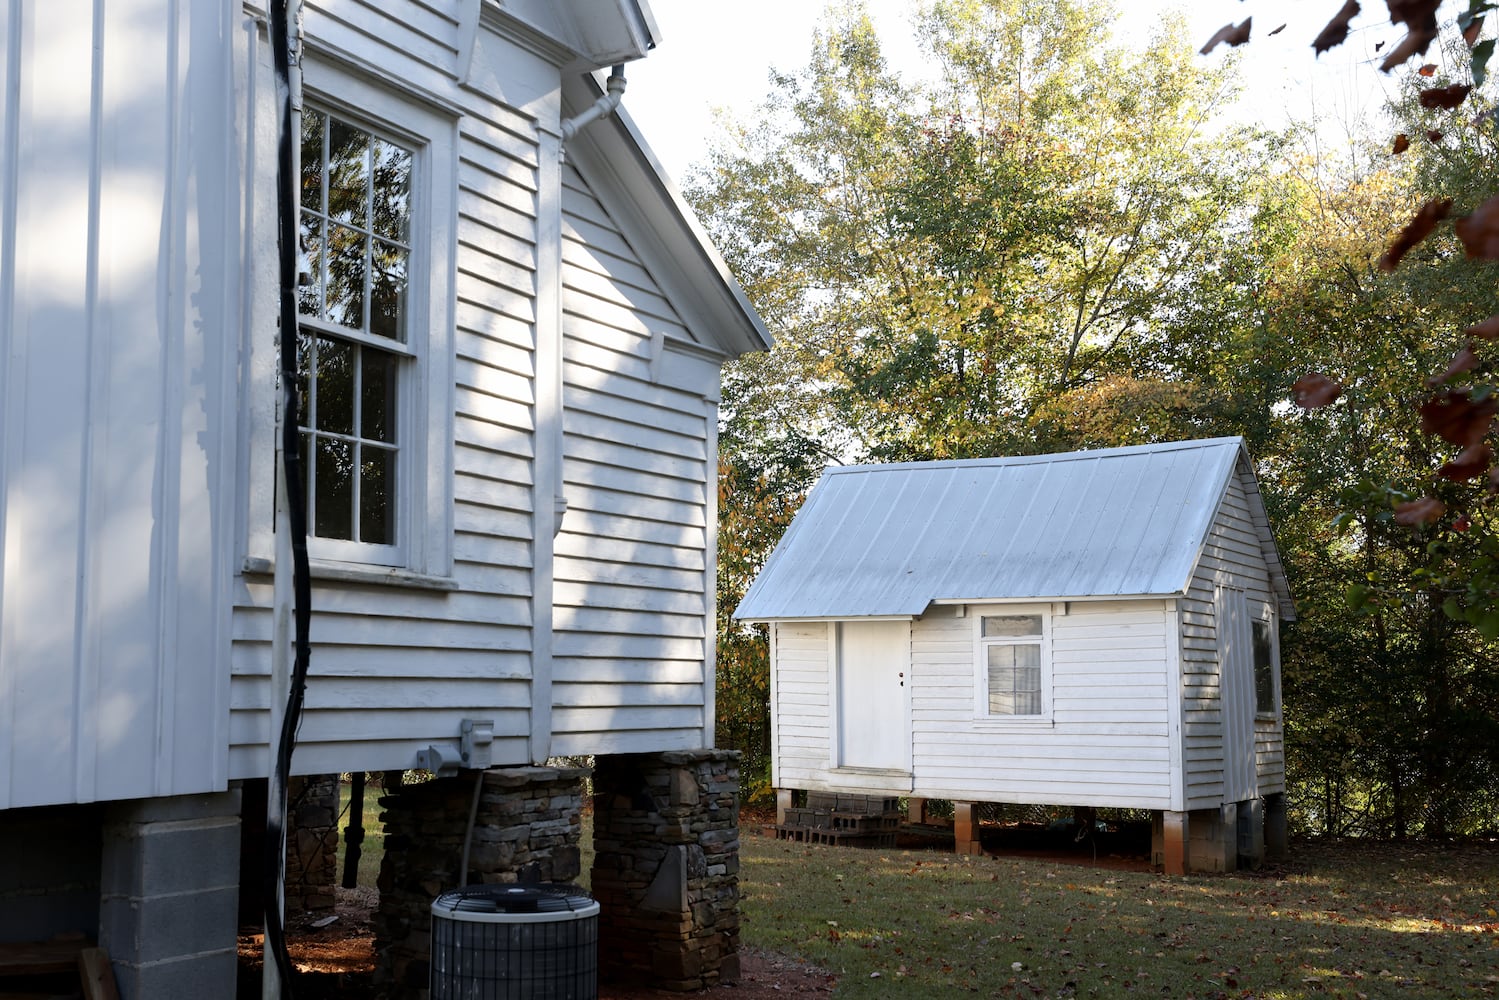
286,237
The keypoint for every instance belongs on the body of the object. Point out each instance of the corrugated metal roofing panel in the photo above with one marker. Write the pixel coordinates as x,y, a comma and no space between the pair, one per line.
890,539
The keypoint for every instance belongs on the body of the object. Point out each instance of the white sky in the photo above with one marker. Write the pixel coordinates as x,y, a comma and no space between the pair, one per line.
717,54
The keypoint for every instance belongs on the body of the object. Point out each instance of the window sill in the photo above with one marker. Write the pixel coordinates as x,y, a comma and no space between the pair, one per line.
991,724
338,572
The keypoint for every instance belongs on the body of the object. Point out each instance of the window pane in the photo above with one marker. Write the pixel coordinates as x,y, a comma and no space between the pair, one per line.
334,391
1011,625
310,266
348,173
388,291
392,191
306,352
346,269
333,498
1014,678
377,477
313,123
1264,668
377,415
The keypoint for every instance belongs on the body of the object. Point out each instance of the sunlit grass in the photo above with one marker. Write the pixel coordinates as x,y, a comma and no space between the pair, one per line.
1334,923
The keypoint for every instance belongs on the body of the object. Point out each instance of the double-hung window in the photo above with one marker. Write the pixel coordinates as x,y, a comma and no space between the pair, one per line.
1013,659
354,345
377,219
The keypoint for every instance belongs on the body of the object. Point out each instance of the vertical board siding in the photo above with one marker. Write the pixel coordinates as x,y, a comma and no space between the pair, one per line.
1233,556
803,745
120,202
393,668
631,557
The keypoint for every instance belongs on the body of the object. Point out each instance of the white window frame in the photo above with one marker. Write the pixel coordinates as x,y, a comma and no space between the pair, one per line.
423,490
1269,619
981,711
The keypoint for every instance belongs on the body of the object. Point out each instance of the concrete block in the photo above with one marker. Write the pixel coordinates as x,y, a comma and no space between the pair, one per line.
1251,834
200,976
163,928
151,859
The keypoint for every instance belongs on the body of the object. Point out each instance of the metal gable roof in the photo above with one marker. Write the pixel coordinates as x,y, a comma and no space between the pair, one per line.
877,540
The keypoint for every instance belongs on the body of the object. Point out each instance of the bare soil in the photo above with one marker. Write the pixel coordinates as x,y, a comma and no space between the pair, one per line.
337,962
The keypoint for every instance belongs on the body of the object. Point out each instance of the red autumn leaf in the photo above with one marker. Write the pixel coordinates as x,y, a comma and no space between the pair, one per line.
1480,231
1337,29
1402,143
1461,524
1422,511
1433,136
1415,231
1472,31
1445,97
1428,70
1465,361
1277,31
1233,35
1455,417
1470,463
1314,390
1487,330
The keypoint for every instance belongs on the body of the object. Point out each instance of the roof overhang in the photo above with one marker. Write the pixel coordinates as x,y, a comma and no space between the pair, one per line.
580,35
660,225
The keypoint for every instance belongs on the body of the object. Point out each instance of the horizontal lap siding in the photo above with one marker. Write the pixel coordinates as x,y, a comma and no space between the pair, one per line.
1108,745
1232,557
631,559
394,669
419,40
802,747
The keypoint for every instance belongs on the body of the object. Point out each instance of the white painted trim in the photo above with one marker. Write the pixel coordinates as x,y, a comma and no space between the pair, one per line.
468,34
1175,693
775,707
908,685
549,440
374,74
710,576
11,378
834,722
1063,599
982,719
863,618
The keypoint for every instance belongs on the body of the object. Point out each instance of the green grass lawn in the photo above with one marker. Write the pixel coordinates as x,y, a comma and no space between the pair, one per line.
374,834
1352,922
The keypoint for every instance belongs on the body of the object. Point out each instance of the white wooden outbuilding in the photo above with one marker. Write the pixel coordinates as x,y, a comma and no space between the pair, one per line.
512,329
1097,628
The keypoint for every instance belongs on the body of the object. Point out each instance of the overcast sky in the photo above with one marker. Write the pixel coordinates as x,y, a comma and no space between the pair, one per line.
717,54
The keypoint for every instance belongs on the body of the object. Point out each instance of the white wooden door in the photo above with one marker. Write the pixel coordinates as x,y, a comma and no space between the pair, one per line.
873,663
1236,662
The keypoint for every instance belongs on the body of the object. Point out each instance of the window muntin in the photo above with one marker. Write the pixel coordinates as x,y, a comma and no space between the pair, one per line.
356,252
1264,667
1012,653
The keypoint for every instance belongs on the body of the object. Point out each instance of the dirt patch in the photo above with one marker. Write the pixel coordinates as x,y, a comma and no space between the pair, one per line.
337,961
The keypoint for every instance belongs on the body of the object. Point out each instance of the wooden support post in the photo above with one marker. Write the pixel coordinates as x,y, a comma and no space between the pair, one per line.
965,829
1174,835
915,810
783,802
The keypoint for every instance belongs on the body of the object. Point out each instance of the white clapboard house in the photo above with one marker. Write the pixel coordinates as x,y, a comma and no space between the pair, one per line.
511,331
1094,629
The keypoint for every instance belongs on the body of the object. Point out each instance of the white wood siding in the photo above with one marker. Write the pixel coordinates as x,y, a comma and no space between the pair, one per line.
118,199
1232,557
630,588
1108,744
802,743
396,668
